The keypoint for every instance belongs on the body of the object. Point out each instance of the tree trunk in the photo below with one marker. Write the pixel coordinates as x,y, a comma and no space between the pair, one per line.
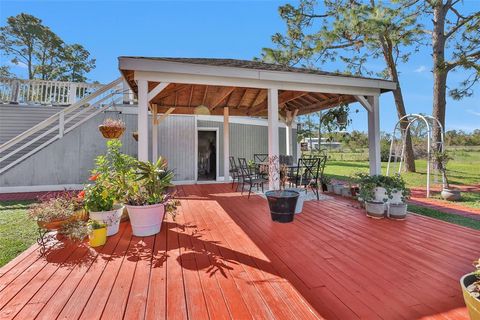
400,105
439,71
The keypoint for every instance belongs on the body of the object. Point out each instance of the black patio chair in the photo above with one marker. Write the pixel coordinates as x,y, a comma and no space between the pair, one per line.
250,180
260,157
308,173
234,171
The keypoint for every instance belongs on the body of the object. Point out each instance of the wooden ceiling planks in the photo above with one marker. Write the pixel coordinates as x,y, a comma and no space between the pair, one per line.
241,101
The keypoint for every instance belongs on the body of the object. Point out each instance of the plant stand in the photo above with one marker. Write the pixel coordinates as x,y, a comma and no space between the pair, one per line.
43,238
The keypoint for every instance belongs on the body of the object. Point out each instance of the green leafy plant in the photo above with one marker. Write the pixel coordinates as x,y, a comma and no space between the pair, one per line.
94,225
53,209
149,183
75,230
392,184
101,195
442,158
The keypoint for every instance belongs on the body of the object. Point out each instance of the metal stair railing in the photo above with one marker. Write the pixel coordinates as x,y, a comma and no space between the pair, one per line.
59,124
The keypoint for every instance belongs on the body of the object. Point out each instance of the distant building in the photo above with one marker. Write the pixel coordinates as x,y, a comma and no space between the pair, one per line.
324,144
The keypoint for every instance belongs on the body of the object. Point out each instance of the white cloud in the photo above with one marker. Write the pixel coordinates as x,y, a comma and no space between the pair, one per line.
421,69
475,113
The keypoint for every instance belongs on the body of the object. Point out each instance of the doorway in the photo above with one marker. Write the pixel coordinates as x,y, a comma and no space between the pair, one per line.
207,154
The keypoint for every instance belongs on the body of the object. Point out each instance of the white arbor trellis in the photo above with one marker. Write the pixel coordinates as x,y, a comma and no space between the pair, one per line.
399,135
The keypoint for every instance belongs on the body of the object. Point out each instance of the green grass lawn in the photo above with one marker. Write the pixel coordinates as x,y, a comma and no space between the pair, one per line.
17,231
452,218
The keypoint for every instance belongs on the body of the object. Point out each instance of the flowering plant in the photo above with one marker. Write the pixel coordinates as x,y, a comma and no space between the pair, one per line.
114,123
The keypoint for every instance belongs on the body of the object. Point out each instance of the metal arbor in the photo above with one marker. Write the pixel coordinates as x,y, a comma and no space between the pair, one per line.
398,151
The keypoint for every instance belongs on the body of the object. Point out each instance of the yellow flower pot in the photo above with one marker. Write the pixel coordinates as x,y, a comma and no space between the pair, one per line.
98,237
473,304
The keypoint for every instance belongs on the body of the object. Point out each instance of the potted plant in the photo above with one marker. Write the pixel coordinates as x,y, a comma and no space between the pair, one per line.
442,158
112,128
97,233
53,213
470,284
100,203
326,181
369,193
146,196
282,203
398,193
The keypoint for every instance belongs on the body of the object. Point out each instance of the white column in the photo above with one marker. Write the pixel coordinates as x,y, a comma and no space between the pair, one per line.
274,174
374,136
142,120
154,136
226,145
288,133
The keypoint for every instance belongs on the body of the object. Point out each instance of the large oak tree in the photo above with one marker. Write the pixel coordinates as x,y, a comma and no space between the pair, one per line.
353,33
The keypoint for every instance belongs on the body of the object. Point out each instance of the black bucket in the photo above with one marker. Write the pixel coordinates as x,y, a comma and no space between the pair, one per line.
282,204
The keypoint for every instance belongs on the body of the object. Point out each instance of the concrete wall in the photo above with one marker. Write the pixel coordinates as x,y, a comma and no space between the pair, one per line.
15,119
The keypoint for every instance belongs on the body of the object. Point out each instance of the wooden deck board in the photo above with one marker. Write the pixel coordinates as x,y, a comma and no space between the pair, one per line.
224,258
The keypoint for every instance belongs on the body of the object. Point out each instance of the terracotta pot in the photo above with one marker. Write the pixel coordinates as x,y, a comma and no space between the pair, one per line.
146,220
472,303
111,132
52,225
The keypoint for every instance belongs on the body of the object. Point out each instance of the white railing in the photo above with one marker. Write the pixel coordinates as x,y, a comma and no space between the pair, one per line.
44,92
59,124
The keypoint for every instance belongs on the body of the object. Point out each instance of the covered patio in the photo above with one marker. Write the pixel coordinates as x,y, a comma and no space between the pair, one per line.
232,88
223,258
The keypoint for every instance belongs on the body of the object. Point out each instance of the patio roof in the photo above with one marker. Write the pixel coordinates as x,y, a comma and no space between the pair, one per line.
244,90
223,258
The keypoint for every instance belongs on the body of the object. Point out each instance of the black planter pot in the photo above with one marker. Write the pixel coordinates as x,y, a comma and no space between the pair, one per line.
324,187
282,204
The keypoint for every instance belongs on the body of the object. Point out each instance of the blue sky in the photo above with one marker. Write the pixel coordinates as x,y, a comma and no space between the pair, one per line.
219,29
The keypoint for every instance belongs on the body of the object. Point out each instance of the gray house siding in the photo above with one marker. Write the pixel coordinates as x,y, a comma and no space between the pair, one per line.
70,159
246,140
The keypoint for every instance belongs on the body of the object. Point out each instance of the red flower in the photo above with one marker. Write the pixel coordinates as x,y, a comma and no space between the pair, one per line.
94,177
81,194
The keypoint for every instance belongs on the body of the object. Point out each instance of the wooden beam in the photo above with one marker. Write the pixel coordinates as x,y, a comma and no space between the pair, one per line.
364,102
284,97
242,98
205,95
220,96
166,92
162,117
155,91
191,95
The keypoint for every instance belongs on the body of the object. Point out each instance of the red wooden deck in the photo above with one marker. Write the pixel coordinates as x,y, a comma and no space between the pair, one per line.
224,258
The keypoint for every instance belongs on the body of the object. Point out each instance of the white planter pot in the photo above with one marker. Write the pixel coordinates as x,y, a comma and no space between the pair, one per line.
451,194
146,220
375,209
379,194
110,218
396,197
337,189
397,211
346,192
300,200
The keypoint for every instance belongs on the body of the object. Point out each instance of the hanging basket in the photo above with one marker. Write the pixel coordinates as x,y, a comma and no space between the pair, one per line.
342,119
109,132
135,135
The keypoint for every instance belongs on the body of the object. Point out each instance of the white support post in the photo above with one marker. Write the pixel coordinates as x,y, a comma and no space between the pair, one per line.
72,94
374,135
154,135
226,145
288,134
142,120
274,161
61,124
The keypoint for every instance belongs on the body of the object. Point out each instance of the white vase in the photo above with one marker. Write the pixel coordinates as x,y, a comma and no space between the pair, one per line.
397,210
110,218
337,189
396,197
146,220
375,209
380,194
